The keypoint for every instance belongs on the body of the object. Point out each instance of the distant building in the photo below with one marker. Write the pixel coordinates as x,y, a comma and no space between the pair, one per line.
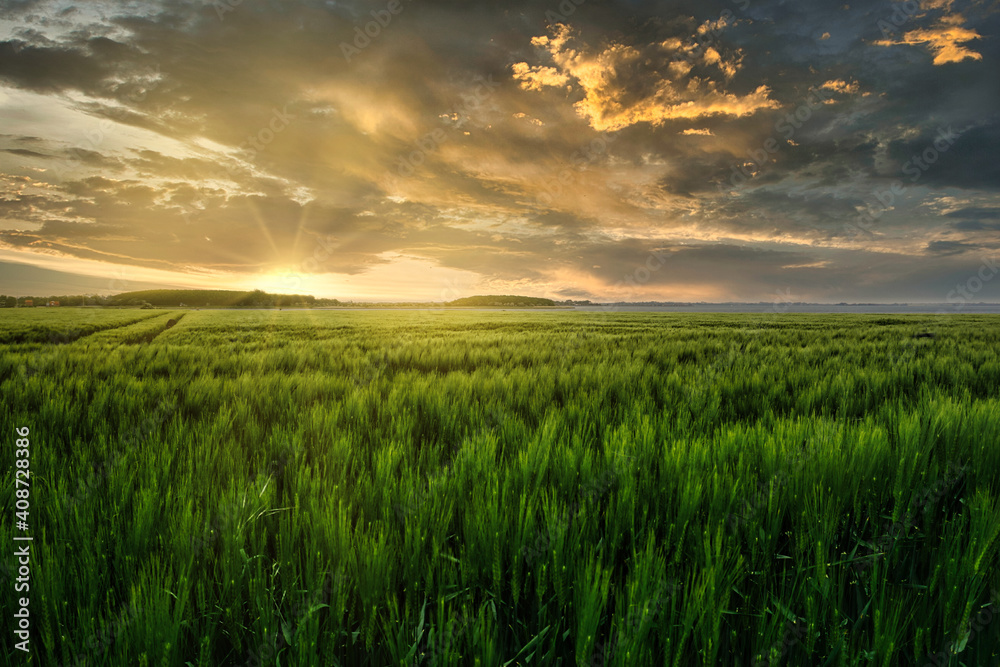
29,303
53,303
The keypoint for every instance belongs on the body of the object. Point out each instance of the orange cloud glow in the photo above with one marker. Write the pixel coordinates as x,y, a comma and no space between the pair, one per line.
945,40
668,90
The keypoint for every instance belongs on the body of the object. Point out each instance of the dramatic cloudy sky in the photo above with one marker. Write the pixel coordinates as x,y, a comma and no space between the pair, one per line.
710,150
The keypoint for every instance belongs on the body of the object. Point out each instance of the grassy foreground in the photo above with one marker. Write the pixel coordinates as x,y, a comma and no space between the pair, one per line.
490,488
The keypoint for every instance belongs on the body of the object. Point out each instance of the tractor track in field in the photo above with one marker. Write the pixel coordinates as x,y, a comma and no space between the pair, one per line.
69,335
149,337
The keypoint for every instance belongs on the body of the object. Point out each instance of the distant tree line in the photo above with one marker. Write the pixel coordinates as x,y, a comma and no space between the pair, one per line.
166,298
218,299
174,299
501,301
71,300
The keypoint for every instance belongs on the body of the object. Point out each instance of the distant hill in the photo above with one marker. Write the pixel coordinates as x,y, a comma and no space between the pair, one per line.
504,301
218,298
174,298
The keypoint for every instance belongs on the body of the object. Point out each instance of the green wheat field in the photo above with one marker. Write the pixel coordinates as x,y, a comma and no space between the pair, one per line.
503,488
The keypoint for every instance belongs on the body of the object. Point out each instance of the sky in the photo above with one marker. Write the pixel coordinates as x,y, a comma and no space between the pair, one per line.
732,150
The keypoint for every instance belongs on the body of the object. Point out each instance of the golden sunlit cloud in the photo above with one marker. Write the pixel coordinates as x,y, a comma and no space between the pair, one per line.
841,86
534,121
536,78
944,40
666,90
936,4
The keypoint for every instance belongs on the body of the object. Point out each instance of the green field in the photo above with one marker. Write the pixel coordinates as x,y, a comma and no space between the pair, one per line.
504,488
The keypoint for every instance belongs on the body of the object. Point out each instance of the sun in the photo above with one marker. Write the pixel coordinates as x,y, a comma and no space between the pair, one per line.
285,281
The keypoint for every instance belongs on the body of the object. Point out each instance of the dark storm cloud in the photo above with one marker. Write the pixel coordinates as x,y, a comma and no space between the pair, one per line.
948,247
12,8
44,68
976,226
976,213
967,159
94,159
24,152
